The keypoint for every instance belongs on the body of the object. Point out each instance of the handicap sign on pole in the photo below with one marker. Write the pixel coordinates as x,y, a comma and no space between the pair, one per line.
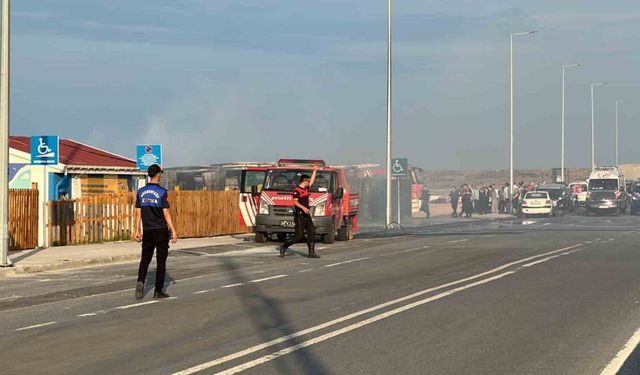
147,155
44,150
399,167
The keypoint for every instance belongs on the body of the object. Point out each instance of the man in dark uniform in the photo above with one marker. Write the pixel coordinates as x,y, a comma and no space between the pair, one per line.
454,195
302,215
152,209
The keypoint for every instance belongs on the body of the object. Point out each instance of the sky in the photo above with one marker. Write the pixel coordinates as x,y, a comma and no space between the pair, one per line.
252,80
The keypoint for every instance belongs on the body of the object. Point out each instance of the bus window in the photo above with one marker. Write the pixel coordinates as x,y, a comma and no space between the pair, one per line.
252,178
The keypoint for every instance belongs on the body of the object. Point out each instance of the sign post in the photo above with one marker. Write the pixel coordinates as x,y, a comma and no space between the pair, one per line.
147,155
399,169
44,151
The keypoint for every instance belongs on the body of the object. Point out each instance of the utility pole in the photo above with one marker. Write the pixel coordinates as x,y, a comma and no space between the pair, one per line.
388,208
4,138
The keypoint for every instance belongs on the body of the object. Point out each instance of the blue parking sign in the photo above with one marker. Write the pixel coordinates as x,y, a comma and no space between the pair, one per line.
147,155
44,150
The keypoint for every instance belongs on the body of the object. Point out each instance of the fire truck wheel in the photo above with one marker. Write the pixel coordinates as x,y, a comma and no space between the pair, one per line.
345,232
261,237
330,237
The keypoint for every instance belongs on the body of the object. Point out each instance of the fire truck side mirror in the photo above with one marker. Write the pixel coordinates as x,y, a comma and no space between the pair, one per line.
255,190
339,194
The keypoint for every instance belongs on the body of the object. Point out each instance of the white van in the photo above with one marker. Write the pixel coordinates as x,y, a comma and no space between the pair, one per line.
606,191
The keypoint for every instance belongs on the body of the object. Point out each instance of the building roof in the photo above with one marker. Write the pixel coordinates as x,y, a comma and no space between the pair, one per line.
74,153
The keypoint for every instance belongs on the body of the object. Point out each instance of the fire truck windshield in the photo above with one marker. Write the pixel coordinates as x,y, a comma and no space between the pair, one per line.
288,179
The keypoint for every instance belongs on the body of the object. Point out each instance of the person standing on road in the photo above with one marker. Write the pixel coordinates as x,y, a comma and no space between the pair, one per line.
454,195
152,209
467,201
426,196
302,215
506,193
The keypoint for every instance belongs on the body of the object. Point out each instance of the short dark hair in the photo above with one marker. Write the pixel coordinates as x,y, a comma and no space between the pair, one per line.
153,170
304,177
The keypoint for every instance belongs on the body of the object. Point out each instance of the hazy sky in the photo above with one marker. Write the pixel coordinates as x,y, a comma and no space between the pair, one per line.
229,80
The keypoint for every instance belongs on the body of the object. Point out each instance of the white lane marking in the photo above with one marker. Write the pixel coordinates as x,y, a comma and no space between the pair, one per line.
546,224
618,361
231,285
91,314
10,298
204,291
426,247
597,239
307,270
408,250
628,233
589,242
489,235
611,239
35,326
276,341
347,261
456,241
126,307
322,248
355,326
549,258
268,278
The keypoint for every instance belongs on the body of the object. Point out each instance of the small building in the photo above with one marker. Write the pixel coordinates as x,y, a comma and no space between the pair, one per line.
82,170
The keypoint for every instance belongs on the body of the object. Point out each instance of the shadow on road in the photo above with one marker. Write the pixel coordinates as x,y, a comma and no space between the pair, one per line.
270,321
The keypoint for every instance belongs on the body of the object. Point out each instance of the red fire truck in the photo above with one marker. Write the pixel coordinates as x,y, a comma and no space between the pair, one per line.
334,207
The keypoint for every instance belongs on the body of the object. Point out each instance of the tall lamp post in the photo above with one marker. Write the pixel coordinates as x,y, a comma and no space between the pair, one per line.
388,208
511,107
593,127
564,67
4,138
617,138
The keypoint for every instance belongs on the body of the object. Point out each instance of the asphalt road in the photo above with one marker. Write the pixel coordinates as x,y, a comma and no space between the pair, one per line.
534,296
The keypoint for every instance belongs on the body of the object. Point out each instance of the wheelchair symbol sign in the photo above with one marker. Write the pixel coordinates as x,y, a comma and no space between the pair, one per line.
44,149
399,167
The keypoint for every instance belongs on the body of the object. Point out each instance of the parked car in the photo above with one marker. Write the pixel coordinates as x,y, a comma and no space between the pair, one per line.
560,196
537,203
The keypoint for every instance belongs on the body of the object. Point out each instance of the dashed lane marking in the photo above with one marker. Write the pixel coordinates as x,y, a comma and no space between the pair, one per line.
307,270
231,285
457,241
268,278
35,326
346,262
126,307
204,291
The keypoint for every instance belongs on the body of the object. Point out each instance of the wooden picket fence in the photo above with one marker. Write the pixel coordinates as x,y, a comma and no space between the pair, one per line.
106,218
23,219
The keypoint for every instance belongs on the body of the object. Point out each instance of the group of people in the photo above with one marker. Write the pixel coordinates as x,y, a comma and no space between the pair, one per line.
486,199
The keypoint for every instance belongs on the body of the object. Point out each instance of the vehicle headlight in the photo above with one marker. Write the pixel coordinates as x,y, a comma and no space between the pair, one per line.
264,208
320,209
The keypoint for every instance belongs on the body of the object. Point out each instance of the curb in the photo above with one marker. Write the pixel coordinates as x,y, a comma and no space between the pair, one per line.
30,269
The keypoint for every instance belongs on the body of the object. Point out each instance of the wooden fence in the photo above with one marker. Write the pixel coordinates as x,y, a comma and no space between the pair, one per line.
23,219
105,218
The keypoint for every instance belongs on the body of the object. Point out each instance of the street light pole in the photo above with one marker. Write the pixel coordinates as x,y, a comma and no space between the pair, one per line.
617,138
511,108
562,131
4,138
388,208
593,127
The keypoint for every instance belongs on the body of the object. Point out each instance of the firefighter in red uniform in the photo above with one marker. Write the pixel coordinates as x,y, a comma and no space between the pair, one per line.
302,215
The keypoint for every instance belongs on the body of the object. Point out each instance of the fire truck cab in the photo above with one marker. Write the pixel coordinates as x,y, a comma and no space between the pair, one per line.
334,208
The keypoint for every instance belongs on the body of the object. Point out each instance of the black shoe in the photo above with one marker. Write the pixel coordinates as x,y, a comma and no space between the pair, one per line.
160,294
313,255
140,290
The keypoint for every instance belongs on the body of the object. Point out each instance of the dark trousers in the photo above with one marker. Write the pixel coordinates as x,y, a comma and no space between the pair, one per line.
303,224
454,207
154,239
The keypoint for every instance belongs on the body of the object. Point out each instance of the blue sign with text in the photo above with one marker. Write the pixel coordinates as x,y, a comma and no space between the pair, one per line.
147,155
44,150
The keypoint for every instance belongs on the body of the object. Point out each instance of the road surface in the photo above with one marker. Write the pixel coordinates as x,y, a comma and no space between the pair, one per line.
534,296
